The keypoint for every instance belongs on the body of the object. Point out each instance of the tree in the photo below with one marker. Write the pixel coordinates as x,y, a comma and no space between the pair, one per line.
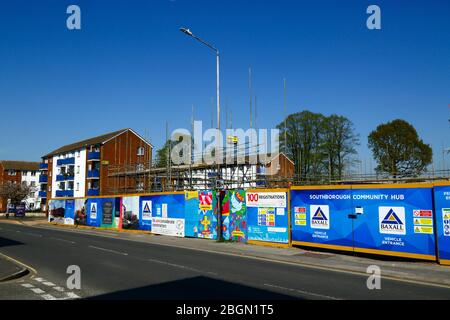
15,192
340,141
319,146
399,151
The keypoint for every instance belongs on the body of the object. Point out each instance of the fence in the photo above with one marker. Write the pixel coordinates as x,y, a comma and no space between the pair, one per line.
405,220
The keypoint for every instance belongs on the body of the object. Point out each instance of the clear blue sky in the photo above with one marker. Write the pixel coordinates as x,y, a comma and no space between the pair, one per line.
129,66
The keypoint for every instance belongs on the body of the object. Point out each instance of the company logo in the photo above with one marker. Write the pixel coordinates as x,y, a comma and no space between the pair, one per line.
392,220
93,210
147,210
320,216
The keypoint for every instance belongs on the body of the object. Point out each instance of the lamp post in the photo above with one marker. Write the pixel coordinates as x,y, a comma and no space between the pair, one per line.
218,153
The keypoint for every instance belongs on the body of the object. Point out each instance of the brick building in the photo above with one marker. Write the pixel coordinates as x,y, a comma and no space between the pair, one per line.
21,172
81,169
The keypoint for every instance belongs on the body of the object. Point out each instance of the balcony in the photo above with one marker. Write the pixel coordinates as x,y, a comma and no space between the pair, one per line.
65,177
66,161
43,166
64,193
43,178
42,194
94,156
93,192
93,174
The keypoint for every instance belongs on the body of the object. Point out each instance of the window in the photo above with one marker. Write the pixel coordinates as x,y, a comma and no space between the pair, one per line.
140,151
11,173
78,186
33,183
33,173
78,154
24,173
78,169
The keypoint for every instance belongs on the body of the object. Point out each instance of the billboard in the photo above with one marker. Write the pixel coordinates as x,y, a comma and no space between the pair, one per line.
69,214
207,206
191,213
80,214
56,211
267,216
129,213
167,214
392,220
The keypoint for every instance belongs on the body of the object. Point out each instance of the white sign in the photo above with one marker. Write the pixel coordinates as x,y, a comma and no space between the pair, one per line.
280,211
319,216
164,210
392,220
446,221
146,210
93,210
168,226
266,199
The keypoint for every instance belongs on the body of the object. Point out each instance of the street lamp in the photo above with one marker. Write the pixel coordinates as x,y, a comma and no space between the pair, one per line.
190,34
218,153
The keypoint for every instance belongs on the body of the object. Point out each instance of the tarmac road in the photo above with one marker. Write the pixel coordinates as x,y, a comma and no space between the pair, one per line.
114,268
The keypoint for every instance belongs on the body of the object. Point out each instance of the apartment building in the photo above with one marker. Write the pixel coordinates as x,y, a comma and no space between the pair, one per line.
21,172
81,169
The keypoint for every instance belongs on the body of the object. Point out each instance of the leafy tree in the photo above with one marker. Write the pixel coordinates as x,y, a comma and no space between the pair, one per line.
398,149
15,192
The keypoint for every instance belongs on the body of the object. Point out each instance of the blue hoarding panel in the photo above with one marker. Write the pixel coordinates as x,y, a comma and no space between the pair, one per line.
145,212
321,216
192,217
397,220
267,216
94,212
442,207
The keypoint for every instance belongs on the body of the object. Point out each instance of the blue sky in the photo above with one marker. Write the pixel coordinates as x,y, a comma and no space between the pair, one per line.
129,66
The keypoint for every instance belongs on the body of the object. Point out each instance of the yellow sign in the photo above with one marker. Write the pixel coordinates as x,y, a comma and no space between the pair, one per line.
191,195
300,216
300,222
423,221
427,230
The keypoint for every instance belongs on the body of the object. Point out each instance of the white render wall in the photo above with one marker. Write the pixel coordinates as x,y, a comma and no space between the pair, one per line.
80,173
55,172
32,201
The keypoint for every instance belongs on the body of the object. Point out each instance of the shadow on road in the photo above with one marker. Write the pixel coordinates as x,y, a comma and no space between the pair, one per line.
4,242
197,288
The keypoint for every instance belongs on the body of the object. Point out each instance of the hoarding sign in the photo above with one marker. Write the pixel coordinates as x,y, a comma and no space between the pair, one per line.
442,207
168,226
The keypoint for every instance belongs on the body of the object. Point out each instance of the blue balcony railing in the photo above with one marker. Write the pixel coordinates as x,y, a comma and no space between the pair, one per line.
64,193
65,177
94,156
93,192
66,161
43,178
94,173
42,194
43,166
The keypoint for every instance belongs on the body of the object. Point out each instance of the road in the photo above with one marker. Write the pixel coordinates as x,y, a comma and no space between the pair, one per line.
114,268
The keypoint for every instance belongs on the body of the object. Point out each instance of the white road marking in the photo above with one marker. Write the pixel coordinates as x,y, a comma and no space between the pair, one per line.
27,285
60,289
48,297
34,234
37,290
71,295
181,266
64,240
39,279
302,292
50,284
18,231
109,250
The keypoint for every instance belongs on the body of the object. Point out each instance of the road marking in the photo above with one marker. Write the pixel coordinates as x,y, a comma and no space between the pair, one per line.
39,279
182,267
49,284
60,289
34,234
48,297
18,231
302,292
109,250
64,240
37,290
27,285
71,295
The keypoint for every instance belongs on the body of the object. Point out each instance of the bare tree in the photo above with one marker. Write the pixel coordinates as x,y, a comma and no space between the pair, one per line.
15,192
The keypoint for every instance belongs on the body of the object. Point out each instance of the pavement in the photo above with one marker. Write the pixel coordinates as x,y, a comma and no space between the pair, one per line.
10,270
119,265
